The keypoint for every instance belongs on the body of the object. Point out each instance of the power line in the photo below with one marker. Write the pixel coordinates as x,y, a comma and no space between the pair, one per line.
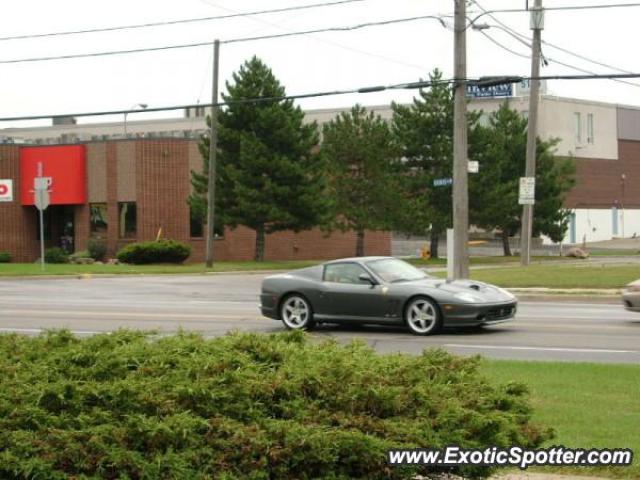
338,29
567,7
326,41
573,67
370,89
504,47
523,39
177,22
235,40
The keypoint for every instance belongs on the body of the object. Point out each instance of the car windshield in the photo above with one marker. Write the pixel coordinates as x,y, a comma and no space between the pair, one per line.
393,270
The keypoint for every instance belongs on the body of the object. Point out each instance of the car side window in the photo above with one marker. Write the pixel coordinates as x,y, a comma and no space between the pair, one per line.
344,273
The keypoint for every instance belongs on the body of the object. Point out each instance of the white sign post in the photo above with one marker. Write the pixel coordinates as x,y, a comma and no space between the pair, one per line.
527,192
41,199
6,190
450,254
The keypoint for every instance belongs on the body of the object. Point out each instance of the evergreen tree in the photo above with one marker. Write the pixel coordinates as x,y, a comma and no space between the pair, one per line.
360,156
269,176
494,193
424,131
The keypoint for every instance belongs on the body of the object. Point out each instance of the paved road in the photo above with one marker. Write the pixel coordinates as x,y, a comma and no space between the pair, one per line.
213,305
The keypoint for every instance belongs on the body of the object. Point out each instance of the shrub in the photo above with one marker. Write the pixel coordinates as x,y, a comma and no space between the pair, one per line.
5,257
160,251
55,255
97,249
241,406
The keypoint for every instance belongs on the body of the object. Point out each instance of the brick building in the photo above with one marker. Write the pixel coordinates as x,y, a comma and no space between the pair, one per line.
128,190
603,138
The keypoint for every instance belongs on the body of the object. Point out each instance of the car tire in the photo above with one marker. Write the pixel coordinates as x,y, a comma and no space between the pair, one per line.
296,313
422,315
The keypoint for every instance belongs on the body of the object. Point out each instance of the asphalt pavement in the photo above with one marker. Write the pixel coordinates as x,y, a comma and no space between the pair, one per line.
549,328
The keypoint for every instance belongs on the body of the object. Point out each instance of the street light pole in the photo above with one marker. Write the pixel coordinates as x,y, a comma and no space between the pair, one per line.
537,24
213,147
460,161
143,106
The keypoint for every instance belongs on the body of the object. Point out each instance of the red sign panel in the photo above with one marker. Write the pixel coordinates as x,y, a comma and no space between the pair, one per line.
65,165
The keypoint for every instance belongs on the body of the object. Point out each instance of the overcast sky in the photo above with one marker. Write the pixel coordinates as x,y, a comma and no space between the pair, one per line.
328,61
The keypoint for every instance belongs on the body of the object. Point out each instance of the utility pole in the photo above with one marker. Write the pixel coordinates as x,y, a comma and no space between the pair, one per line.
460,161
213,147
537,24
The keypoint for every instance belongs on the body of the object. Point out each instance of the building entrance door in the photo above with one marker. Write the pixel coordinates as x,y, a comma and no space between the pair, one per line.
59,227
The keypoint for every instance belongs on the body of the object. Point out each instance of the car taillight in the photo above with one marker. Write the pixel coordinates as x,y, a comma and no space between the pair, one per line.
633,287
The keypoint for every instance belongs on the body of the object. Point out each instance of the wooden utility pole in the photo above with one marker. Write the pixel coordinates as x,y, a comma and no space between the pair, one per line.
537,24
213,147
460,161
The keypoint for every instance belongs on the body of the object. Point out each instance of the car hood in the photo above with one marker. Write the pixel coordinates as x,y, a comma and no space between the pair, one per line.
486,291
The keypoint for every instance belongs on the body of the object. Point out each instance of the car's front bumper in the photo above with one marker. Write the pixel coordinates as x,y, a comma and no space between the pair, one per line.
631,300
269,306
473,314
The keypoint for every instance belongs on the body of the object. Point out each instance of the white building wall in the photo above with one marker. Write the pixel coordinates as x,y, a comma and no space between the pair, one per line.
558,119
597,225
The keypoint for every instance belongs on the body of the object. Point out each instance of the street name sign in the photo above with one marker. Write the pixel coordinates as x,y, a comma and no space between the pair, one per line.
442,182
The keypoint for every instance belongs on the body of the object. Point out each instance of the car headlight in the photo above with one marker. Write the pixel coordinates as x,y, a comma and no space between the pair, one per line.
506,293
468,297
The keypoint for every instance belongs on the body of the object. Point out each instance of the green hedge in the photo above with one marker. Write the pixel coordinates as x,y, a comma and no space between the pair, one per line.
55,255
97,249
5,257
161,251
243,406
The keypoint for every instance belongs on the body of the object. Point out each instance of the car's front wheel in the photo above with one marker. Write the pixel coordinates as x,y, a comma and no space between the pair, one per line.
423,316
296,313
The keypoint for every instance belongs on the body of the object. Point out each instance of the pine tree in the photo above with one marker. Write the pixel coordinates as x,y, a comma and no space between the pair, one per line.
270,176
425,132
494,191
360,157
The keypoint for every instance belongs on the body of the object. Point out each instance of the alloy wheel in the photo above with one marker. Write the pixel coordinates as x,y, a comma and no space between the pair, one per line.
422,316
296,313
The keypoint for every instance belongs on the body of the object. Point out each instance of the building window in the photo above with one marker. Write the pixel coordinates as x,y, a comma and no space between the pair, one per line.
196,226
127,219
578,127
590,128
98,219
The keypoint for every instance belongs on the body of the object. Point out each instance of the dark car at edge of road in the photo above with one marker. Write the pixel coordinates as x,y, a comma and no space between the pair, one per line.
381,290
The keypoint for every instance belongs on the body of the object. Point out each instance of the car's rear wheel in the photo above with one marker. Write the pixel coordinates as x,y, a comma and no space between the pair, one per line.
296,313
423,316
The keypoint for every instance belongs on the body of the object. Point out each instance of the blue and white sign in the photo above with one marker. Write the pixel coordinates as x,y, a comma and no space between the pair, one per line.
503,90
442,182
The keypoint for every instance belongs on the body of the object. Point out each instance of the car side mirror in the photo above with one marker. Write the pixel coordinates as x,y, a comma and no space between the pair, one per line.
366,278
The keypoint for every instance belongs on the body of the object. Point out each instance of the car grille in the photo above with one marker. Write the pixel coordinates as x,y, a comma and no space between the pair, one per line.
499,313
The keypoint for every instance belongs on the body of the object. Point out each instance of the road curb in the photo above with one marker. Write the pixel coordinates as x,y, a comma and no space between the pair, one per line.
85,276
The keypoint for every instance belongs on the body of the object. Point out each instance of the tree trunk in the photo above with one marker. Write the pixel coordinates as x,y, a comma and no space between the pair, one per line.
505,243
360,243
259,253
433,246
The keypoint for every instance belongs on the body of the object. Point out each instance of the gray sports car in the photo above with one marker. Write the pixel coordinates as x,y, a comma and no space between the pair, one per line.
381,290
